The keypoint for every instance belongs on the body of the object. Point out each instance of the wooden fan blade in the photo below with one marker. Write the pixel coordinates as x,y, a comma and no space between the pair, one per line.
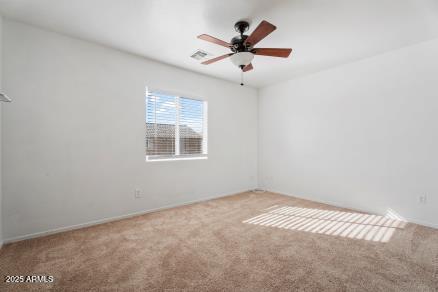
213,40
261,31
216,59
273,52
248,67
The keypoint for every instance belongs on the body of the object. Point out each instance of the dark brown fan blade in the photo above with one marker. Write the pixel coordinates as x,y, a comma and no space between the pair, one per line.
261,31
213,40
283,53
248,67
216,59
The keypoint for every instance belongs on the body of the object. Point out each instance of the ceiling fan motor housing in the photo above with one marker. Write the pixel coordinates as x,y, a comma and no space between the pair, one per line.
238,45
237,42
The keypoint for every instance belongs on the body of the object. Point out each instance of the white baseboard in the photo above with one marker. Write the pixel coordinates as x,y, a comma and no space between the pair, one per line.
341,205
114,218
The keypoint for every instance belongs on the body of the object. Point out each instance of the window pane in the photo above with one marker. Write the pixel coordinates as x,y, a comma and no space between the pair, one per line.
160,124
190,126
175,127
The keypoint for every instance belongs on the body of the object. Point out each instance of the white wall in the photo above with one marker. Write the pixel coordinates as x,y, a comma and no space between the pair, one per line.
364,135
1,194
74,134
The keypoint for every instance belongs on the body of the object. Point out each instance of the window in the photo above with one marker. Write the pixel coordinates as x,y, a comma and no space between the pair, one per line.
176,127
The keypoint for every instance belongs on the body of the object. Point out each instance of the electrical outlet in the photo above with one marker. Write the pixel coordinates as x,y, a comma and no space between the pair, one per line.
422,199
137,193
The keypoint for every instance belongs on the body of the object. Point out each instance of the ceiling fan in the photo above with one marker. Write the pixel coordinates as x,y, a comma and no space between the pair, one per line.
242,46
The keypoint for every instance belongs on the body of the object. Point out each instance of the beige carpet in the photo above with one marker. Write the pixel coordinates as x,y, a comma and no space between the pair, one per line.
245,242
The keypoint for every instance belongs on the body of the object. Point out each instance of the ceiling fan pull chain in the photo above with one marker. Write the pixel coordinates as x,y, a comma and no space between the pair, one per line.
241,78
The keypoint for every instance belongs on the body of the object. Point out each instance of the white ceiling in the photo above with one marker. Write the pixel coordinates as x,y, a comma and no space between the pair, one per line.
323,33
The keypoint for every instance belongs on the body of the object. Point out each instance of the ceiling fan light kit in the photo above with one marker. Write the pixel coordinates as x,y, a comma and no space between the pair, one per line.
242,46
242,58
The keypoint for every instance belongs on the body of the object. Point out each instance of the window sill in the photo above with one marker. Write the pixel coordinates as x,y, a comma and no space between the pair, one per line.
175,158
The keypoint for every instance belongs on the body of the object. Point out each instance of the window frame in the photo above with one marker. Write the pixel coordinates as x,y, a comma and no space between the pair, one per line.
177,157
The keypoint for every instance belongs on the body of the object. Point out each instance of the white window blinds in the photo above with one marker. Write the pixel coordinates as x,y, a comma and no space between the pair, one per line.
176,127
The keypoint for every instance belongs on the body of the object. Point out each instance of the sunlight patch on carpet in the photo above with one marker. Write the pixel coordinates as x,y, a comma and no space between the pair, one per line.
329,222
